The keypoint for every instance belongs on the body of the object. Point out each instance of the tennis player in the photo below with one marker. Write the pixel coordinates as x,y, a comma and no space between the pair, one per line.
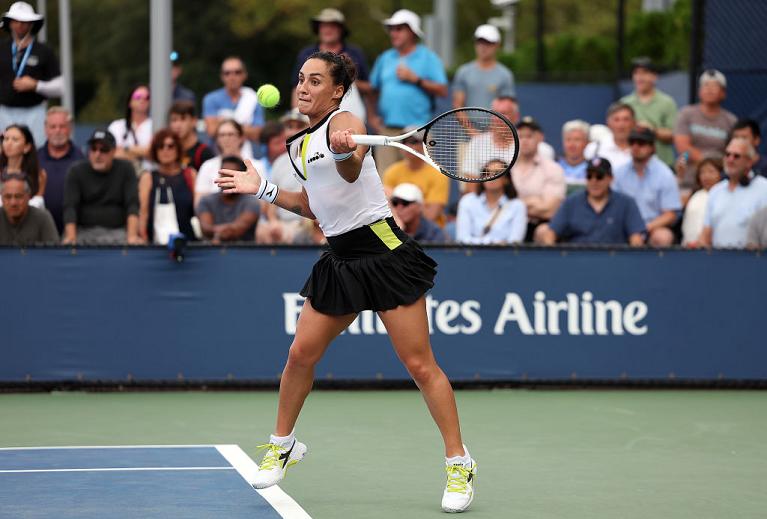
371,265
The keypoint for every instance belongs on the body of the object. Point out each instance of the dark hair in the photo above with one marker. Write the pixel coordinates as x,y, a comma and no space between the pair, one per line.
233,159
341,67
618,106
30,166
159,140
751,125
129,113
183,108
711,161
270,130
509,190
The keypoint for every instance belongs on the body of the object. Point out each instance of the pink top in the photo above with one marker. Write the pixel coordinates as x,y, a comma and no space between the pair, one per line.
545,178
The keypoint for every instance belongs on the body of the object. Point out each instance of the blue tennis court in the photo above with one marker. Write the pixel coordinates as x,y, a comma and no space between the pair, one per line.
136,481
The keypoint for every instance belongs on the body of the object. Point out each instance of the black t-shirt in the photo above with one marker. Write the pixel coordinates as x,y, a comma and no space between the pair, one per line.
41,64
196,155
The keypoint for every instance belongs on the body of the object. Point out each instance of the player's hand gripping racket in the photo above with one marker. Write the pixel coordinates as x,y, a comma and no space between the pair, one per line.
448,145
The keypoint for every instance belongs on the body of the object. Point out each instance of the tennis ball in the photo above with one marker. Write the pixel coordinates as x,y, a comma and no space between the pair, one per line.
268,96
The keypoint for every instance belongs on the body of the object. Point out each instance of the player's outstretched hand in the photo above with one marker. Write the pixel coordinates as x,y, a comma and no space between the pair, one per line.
342,141
246,182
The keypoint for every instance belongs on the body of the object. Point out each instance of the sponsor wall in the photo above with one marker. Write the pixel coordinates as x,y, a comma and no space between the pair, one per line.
495,314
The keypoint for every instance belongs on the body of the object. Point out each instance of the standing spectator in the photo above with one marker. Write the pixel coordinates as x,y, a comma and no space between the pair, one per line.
180,92
575,137
756,237
100,197
235,101
652,186
21,224
227,217
653,109
406,78
229,140
182,120
19,156
31,76
133,134
166,194
615,146
596,215
540,182
709,174
433,185
749,129
734,201
407,205
56,157
331,30
702,129
479,82
494,215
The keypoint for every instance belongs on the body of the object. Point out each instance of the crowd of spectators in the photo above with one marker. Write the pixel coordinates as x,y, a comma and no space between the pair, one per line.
650,175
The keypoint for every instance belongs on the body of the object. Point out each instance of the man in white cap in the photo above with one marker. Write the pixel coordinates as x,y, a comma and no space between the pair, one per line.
480,81
405,80
407,205
32,74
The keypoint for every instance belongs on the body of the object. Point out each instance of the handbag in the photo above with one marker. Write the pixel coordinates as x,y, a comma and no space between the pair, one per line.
165,218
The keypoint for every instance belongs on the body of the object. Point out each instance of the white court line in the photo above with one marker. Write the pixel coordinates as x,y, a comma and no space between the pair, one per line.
113,469
275,496
105,447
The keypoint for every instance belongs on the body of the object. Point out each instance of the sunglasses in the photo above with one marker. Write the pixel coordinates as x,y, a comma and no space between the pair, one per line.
397,27
398,201
736,156
140,97
633,142
597,176
167,146
236,72
100,149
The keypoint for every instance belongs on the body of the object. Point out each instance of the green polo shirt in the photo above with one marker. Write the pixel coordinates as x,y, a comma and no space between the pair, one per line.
660,112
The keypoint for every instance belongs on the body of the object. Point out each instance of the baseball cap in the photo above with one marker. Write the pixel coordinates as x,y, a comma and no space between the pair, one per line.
487,32
104,137
408,192
713,75
599,165
529,122
645,63
406,17
642,134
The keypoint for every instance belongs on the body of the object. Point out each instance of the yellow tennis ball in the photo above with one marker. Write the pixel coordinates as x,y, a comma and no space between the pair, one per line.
268,96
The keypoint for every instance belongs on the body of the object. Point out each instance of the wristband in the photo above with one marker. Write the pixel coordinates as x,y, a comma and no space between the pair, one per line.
267,191
338,157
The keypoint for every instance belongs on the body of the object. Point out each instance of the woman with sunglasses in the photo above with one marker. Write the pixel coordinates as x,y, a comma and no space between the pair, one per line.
166,194
134,133
18,156
493,215
371,264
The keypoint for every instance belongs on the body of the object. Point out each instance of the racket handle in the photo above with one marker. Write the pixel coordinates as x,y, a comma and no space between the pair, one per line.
371,140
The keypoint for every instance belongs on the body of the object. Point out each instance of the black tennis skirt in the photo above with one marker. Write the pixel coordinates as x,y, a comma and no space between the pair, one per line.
375,267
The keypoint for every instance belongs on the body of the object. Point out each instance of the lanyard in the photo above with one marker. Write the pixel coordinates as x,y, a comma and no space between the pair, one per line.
19,68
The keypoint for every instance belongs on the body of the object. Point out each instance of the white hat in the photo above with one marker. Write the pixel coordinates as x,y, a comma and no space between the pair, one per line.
713,75
488,32
23,12
406,17
408,192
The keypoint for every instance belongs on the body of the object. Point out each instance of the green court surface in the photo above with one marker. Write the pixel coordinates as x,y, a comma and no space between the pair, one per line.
376,454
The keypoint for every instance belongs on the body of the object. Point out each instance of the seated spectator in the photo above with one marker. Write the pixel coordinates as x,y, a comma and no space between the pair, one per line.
269,230
596,215
434,186
575,137
166,194
101,197
182,120
539,182
494,215
709,174
19,156
756,237
702,129
615,146
749,129
734,201
20,224
228,217
229,140
56,157
407,205
133,134
652,186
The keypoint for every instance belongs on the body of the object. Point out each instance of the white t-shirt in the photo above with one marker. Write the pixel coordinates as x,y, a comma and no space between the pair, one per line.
284,176
607,149
140,136
204,184
694,214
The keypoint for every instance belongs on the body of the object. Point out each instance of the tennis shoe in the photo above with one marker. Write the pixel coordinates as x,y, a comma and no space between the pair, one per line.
459,491
276,461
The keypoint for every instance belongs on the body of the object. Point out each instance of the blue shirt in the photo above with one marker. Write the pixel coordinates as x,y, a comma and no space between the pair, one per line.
401,103
654,192
728,212
219,104
577,172
429,232
577,222
474,215
57,174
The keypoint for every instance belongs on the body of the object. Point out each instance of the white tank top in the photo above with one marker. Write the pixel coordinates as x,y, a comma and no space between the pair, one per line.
339,206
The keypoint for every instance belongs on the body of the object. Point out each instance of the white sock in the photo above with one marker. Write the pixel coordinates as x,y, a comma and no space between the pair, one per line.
283,441
460,460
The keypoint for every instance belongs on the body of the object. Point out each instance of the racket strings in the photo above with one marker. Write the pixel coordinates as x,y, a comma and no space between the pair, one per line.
469,144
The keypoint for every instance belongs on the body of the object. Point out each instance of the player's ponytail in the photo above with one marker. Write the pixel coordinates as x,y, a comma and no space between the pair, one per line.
341,67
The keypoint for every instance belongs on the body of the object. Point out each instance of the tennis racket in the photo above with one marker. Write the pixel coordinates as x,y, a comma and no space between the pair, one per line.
460,143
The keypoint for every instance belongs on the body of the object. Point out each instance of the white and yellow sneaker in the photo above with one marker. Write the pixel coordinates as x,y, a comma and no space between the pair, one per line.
459,491
276,462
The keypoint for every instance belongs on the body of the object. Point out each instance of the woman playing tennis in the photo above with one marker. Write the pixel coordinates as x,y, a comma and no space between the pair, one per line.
371,265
